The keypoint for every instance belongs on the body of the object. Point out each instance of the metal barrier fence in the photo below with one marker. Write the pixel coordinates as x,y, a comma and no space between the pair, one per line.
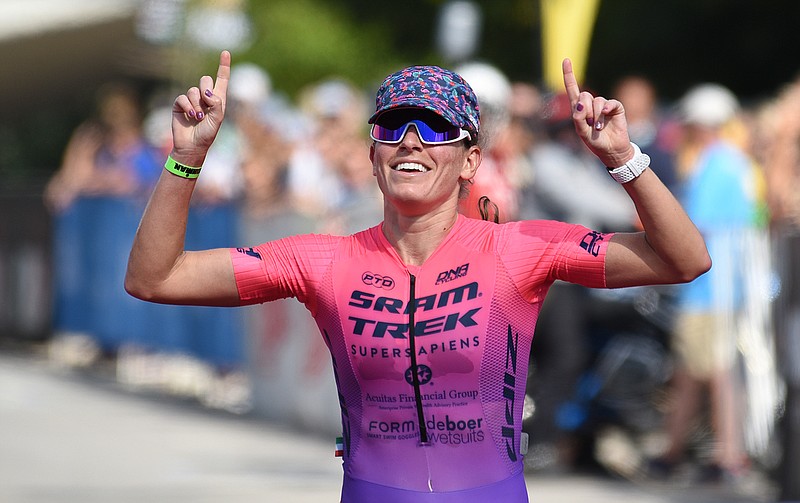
90,246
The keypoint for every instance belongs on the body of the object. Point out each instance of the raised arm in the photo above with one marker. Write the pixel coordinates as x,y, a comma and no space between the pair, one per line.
159,270
670,249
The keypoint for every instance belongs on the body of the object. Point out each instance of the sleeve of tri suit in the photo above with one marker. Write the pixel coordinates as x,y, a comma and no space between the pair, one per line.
539,252
288,267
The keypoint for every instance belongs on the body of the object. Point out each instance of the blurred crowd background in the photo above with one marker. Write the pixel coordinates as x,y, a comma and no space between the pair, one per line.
696,383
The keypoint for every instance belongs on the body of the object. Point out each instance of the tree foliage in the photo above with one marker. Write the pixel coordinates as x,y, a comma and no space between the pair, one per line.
303,41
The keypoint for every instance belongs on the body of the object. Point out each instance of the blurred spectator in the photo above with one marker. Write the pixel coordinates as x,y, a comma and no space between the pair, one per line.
779,151
782,156
646,127
522,132
340,112
337,114
361,206
96,198
718,192
495,178
107,155
264,162
559,160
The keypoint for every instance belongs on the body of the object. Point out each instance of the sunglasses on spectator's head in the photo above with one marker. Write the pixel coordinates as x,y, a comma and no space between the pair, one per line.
392,126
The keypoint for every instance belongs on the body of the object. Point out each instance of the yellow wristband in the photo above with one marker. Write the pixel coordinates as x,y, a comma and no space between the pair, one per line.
181,170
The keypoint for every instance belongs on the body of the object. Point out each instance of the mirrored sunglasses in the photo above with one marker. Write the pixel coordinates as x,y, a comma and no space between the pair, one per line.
426,134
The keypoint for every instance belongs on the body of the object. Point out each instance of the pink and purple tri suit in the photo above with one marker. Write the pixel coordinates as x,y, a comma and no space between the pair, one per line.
430,361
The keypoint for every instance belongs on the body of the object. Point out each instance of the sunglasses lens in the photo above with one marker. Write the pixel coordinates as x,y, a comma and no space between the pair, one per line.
426,133
386,135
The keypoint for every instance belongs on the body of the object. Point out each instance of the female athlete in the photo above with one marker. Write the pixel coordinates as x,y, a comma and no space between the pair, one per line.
428,316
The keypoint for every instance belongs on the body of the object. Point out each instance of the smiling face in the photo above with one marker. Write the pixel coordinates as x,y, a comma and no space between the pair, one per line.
417,178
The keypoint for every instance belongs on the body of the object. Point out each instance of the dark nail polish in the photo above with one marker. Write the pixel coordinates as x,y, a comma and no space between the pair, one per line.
209,93
579,107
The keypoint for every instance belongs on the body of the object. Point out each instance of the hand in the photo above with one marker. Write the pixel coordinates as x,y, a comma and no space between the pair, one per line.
198,114
599,122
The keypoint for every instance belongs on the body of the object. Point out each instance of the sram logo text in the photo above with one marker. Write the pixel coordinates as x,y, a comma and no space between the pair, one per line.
367,300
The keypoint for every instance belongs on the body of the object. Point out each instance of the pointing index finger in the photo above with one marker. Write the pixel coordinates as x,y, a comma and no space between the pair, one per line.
223,74
570,83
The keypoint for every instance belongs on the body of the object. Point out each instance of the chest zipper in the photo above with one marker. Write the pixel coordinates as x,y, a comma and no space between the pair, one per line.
412,307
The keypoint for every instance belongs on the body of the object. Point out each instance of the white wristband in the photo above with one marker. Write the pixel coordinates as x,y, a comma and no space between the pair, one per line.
631,169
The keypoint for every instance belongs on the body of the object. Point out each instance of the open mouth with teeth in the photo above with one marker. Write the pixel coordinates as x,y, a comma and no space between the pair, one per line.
410,167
